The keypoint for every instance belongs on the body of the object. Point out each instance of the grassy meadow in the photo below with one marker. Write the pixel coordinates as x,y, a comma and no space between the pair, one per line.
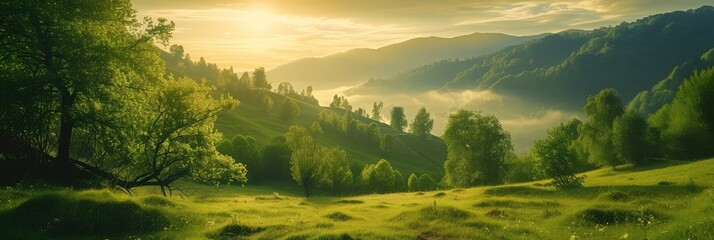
668,201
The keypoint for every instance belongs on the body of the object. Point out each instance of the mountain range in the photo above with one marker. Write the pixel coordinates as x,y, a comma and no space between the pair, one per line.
357,65
561,70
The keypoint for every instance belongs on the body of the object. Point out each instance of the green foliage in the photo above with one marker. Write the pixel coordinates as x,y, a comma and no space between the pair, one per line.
523,169
288,110
477,149
104,103
338,175
426,182
634,140
422,124
398,121
276,157
381,178
306,159
596,138
245,150
556,158
687,125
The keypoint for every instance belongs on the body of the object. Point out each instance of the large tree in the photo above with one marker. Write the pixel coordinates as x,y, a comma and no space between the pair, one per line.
422,124
70,56
477,149
595,139
82,82
398,121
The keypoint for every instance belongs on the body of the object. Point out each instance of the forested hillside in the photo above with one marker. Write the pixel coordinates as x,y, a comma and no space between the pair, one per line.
562,69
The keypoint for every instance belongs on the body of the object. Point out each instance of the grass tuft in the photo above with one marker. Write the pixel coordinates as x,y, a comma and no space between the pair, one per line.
448,214
339,217
349,201
232,231
611,216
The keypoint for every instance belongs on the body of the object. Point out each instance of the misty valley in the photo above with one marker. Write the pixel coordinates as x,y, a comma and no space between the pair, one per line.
588,122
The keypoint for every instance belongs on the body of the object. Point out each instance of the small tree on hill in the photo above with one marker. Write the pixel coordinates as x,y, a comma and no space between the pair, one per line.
422,124
377,111
398,121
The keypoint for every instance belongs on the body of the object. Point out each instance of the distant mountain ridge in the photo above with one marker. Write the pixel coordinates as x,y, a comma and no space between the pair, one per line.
358,65
563,69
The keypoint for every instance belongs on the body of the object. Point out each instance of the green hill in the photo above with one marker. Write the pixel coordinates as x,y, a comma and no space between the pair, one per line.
659,202
409,153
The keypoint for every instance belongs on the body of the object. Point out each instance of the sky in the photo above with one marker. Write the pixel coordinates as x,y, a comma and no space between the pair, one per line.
246,34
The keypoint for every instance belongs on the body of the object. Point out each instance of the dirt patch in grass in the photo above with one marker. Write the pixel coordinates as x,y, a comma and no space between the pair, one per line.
610,216
449,214
440,194
232,231
339,217
59,215
349,201
419,194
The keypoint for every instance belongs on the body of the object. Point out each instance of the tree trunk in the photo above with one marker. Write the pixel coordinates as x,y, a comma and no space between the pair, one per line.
65,137
307,191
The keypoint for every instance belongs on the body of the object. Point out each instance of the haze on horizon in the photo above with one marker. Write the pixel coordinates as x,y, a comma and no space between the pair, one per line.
246,34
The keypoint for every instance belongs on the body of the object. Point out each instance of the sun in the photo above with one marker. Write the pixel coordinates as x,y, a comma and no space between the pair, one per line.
258,19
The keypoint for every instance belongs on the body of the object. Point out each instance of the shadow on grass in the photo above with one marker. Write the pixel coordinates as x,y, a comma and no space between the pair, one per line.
51,216
594,192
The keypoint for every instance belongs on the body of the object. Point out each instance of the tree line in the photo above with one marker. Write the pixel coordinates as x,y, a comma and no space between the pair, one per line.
480,151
